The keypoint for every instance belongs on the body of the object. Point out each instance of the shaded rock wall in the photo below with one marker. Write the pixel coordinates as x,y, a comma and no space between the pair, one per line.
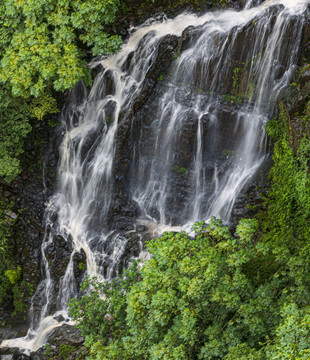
29,192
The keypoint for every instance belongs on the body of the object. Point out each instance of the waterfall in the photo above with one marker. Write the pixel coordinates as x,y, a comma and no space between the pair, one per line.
170,132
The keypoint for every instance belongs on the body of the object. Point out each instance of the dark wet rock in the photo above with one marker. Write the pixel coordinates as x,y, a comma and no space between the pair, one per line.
45,353
12,354
306,37
107,85
59,318
165,54
185,96
306,53
66,334
29,192
296,95
250,200
65,342
127,64
20,357
78,94
79,265
133,247
122,223
123,213
304,76
290,96
161,8
58,254
189,37
16,326
141,228
67,352
96,68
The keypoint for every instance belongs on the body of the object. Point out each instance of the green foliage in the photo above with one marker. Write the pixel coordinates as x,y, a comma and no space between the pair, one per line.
195,300
244,352
233,99
82,266
161,77
288,214
292,336
40,42
44,105
65,351
14,275
11,287
214,296
235,79
191,294
20,291
43,47
101,313
181,170
16,115
14,127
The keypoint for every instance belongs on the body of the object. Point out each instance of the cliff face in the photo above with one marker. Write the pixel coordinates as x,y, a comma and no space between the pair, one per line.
29,192
232,89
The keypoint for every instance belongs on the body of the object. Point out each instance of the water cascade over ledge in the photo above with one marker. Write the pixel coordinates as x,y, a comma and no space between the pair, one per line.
170,132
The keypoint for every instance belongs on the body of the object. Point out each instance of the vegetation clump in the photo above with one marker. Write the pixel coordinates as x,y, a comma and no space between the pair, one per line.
216,295
44,47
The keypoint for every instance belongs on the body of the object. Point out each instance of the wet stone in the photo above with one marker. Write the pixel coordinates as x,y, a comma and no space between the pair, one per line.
59,318
141,228
79,265
66,334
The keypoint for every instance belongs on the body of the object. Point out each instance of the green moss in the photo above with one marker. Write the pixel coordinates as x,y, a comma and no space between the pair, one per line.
181,170
14,275
161,77
229,153
250,90
236,79
65,351
177,54
233,99
305,68
82,266
199,91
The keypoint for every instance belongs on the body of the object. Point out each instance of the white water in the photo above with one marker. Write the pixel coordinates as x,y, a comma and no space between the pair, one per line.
211,185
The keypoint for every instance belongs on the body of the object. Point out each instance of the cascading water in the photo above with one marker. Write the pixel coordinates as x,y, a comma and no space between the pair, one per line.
162,149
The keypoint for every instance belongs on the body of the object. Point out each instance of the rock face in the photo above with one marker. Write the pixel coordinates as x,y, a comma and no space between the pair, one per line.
29,192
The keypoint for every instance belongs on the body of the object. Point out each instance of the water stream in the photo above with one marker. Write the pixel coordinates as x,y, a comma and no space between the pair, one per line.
179,155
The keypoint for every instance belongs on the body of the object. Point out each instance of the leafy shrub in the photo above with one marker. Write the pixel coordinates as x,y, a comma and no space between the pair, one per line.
193,299
101,313
41,42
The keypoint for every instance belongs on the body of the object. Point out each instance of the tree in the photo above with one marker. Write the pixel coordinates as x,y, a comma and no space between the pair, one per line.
193,299
43,48
292,335
43,42
101,314
216,295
